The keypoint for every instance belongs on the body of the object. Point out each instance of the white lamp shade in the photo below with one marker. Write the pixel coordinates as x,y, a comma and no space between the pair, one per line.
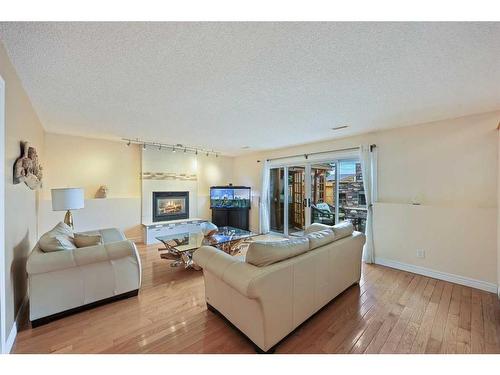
67,199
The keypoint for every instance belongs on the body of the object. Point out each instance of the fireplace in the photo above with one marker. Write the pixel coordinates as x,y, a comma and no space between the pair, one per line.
170,205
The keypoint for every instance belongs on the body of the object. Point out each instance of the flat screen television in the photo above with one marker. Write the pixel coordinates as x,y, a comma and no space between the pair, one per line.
229,197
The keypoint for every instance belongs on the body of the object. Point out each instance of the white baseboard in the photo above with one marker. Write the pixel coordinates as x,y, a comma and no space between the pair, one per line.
13,332
462,280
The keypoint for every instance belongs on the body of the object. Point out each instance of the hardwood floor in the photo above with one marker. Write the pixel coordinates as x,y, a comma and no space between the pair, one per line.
390,311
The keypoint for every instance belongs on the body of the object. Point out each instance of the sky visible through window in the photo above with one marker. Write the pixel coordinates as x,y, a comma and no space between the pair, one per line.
347,168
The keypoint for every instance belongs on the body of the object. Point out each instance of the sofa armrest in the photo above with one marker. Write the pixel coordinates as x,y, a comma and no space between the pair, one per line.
40,262
234,271
213,260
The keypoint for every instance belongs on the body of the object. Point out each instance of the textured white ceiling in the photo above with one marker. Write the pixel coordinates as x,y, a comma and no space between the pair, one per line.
263,85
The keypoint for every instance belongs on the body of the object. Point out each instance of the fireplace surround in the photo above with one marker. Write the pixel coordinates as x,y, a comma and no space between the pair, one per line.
170,205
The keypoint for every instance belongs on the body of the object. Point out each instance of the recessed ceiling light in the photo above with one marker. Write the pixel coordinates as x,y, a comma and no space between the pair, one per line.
340,127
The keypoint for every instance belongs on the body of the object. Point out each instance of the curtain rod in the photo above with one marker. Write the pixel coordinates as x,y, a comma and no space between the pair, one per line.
320,152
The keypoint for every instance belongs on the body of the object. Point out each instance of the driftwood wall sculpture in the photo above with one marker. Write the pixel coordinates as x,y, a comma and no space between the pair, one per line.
27,168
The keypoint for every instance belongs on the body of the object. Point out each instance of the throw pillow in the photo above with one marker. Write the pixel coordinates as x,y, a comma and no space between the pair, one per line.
343,229
315,227
320,238
59,238
85,240
264,253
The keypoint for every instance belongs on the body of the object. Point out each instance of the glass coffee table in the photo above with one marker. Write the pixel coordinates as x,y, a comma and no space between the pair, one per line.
180,247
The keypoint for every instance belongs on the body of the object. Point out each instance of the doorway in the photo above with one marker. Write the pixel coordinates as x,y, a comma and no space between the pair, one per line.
297,199
324,191
277,200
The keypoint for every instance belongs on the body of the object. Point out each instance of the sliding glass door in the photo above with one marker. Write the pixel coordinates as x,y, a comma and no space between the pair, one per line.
297,203
351,194
326,192
277,200
323,193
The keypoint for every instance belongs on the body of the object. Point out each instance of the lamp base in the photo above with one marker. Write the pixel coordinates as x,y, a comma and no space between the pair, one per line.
68,219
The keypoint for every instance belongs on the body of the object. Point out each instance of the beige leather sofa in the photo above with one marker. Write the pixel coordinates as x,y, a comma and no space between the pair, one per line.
267,303
63,282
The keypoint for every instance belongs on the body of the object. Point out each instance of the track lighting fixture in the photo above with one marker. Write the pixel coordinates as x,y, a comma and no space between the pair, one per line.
173,147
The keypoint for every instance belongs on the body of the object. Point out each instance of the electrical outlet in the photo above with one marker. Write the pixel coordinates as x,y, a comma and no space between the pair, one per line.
420,253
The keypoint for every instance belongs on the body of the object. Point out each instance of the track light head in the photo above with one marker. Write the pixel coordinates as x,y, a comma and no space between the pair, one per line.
144,146
128,143
173,149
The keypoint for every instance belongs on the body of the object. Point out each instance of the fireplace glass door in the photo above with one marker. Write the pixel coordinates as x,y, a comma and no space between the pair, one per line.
170,205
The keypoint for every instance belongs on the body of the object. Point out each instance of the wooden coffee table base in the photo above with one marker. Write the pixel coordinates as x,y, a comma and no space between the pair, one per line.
185,258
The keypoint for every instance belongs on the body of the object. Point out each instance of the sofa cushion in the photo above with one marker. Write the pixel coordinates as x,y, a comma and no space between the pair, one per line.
58,238
320,238
315,227
85,240
343,229
108,235
264,253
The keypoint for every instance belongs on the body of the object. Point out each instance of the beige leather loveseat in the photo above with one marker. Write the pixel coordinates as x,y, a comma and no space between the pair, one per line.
69,280
281,284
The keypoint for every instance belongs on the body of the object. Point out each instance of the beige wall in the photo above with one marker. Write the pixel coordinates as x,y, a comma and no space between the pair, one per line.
211,172
73,161
21,124
89,163
449,164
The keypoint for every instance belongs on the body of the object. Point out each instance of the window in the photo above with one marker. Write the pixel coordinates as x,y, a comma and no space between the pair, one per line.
351,193
326,191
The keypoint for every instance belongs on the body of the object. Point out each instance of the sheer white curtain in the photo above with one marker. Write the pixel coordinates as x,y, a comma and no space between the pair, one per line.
368,160
264,199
